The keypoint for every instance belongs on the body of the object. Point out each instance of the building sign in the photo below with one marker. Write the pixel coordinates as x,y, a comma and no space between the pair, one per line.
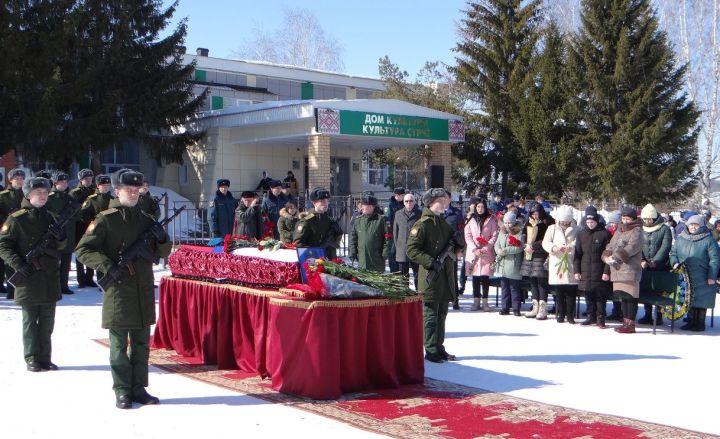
358,123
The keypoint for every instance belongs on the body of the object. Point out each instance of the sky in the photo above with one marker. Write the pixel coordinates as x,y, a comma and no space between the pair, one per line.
409,32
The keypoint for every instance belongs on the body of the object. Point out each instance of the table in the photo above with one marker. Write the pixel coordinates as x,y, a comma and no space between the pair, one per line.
316,349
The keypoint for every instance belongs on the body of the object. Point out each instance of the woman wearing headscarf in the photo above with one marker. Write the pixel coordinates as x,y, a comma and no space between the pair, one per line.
535,256
559,242
624,254
696,248
481,232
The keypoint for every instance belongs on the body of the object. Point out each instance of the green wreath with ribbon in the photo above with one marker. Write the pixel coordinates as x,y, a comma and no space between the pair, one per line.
683,297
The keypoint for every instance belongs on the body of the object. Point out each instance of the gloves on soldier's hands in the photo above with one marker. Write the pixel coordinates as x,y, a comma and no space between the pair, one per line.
159,233
57,232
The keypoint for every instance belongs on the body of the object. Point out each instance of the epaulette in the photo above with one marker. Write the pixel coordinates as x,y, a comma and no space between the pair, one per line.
109,211
306,216
19,213
4,191
425,218
91,196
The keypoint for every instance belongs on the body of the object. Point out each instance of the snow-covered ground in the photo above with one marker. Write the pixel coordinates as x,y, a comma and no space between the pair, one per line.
666,378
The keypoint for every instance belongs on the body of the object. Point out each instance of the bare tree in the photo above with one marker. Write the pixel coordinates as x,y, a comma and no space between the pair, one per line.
692,26
566,14
300,41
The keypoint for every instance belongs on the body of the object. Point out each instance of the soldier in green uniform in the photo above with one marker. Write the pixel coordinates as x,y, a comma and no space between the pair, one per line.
39,292
10,201
128,302
93,205
428,238
58,201
315,227
147,202
80,193
370,240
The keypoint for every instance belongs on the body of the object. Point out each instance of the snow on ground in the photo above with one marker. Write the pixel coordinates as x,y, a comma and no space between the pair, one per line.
658,378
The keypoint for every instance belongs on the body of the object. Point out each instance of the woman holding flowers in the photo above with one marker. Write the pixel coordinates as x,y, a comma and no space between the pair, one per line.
559,242
481,232
508,248
624,255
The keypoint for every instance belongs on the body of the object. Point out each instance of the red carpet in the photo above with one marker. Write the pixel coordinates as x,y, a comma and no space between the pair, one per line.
435,409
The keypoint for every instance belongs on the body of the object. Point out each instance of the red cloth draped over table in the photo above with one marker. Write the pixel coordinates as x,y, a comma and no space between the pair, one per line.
219,323
201,262
325,348
317,349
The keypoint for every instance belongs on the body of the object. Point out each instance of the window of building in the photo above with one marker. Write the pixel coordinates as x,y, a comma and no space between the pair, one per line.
200,75
217,103
126,155
183,175
306,90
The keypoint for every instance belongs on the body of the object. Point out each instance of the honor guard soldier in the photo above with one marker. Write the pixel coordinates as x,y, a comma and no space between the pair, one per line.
80,193
147,202
58,201
370,240
128,309
10,201
315,227
23,232
93,205
432,245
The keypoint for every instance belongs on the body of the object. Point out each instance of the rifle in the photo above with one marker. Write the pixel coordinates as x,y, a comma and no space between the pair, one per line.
43,247
447,252
140,249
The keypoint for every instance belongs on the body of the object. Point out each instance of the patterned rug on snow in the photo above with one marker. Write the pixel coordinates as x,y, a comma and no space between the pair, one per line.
435,409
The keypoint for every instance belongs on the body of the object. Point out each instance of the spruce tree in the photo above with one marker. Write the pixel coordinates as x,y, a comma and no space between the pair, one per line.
499,40
641,127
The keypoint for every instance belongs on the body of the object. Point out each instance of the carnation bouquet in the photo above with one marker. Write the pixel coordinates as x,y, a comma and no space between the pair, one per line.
233,242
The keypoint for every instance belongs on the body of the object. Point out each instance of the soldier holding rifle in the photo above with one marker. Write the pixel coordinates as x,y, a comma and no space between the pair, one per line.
433,245
128,299
29,242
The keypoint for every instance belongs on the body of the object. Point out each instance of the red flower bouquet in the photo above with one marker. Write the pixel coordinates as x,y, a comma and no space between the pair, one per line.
481,241
514,241
388,236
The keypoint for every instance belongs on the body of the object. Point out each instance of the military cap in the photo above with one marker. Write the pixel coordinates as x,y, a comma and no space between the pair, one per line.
223,182
368,193
275,183
432,194
16,172
319,193
368,200
102,179
286,185
45,173
60,176
399,190
35,183
84,173
247,194
127,177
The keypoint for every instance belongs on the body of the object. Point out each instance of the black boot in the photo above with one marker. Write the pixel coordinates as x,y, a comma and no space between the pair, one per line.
690,318
699,325
590,320
570,309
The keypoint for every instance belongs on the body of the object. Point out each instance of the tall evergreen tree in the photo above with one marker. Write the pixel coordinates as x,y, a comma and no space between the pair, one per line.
641,127
499,39
548,125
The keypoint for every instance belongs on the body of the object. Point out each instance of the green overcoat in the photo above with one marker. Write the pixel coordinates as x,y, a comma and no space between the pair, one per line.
56,203
428,238
10,201
313,229
20,233
94,204
148,204
368,242
128,303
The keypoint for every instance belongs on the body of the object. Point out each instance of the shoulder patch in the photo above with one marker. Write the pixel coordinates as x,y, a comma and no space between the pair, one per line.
309,216
300,227
90,228
4,229
413,231
109,211
18,213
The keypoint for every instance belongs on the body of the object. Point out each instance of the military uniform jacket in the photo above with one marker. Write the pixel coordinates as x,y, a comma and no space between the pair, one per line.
10,201
369,243
56,203
428,237
128,303
81,193
149,205
20,233
95,204
313,229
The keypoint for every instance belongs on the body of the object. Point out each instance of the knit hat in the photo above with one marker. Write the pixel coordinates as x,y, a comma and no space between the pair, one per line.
510,218
591,213
649,212
687,214
614,217
696,219
565,213
629,212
